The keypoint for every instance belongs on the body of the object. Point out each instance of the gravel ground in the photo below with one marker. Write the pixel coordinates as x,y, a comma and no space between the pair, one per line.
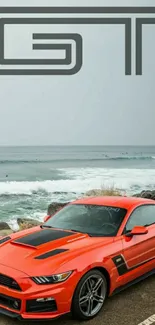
131,307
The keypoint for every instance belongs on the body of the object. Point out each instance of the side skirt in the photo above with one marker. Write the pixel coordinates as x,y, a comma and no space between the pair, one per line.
129,284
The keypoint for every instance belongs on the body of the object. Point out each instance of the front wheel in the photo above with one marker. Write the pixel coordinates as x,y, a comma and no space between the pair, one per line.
89,296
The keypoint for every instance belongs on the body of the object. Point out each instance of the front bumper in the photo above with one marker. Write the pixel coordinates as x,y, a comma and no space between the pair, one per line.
9,313
29,306
14,315
19,317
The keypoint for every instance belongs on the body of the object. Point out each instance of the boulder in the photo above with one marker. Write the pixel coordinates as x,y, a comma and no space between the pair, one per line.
4,226
54,207
24,223
6,232
146,194
94,192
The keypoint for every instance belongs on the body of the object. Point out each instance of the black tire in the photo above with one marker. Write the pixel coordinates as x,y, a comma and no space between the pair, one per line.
79,306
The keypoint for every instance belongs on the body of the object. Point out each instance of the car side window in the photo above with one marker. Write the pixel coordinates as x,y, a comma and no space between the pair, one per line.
141,216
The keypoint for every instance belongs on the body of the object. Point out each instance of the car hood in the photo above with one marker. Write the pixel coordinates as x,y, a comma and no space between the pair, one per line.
39,251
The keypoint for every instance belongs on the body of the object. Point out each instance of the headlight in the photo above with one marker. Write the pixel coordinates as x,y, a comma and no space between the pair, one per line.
52,279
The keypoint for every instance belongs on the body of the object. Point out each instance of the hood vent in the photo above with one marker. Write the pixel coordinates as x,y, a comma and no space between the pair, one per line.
51,254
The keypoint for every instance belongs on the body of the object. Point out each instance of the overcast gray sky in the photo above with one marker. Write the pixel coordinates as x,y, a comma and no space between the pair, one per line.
99,105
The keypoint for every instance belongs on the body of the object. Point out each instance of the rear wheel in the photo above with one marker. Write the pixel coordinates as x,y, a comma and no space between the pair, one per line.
89,296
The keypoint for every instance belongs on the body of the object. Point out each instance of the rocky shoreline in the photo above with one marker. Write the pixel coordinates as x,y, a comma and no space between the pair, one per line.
24,223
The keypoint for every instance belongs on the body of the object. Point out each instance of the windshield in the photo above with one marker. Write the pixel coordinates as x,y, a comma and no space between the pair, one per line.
93,220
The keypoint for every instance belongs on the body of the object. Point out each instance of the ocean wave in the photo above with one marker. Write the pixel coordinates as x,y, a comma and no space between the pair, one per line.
36,192
39,216
41,161
30,199
80,180
20,161
132,158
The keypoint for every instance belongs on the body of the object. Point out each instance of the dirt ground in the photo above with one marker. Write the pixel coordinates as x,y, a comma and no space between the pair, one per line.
133,306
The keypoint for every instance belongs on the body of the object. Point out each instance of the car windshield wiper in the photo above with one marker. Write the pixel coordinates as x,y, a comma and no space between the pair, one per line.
46,226
74,230
80,232
149,224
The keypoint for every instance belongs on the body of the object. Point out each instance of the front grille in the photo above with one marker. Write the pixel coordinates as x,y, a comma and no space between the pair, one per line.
33,306
10,302
9,282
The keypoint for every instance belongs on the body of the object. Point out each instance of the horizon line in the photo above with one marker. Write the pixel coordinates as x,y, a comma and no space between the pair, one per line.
78,145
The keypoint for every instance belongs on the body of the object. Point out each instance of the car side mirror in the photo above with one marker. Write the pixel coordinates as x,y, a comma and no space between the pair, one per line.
46,218
137,231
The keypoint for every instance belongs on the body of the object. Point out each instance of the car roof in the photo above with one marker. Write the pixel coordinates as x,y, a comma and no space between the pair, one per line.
115,201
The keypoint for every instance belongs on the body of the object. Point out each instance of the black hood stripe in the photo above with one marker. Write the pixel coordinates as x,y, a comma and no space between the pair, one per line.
4,240
51,253
42,237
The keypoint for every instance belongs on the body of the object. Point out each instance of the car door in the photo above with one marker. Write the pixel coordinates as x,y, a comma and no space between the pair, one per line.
139,251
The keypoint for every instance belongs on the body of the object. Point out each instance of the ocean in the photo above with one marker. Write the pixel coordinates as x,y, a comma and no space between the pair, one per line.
33,177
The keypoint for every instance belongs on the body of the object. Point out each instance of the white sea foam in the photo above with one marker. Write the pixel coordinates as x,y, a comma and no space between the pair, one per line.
80,180
76,182
35,215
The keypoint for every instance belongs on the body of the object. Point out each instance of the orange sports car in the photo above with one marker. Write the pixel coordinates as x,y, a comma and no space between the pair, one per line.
89,250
